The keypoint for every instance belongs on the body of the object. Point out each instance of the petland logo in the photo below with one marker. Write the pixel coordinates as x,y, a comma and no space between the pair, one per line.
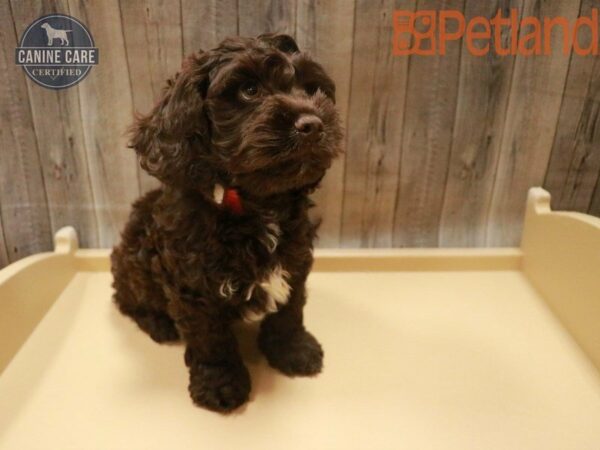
427,32
56,51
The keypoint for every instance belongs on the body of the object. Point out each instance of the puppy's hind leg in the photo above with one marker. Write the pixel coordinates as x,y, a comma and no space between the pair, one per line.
138,292
138,296
159,326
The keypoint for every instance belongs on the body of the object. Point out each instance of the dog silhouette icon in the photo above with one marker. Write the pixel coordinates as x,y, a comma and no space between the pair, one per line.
54,33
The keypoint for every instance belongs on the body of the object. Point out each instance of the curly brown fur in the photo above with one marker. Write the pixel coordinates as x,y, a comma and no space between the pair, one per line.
254,115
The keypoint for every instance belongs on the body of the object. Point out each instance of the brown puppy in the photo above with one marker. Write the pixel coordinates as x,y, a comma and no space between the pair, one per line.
239,139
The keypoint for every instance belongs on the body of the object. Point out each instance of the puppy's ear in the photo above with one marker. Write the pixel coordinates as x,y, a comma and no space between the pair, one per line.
172,141
281,42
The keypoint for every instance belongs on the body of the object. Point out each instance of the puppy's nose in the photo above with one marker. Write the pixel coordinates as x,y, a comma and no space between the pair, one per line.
309,125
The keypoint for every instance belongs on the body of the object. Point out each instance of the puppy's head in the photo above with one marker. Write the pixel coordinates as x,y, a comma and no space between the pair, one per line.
255,114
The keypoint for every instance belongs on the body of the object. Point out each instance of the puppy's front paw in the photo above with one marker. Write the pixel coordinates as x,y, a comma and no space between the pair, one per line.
220,388
299,354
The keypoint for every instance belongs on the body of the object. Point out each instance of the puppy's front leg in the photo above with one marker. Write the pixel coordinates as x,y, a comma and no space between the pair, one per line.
286,343
218,378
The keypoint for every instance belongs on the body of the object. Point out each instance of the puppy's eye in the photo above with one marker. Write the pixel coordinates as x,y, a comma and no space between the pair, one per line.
249,90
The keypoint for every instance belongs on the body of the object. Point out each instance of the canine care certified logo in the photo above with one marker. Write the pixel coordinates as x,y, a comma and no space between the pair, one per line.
56,51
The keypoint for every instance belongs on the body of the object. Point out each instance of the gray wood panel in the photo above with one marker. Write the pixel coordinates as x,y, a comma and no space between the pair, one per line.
482,99
23,202
265,16
431,97
374,134
206,23
3,252
106,102
574,167
440,150
533,108
60,141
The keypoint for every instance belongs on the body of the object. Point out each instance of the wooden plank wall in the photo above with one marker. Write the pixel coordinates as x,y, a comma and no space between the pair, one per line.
440,150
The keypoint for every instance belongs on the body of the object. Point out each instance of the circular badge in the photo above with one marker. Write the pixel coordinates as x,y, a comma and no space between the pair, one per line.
56,51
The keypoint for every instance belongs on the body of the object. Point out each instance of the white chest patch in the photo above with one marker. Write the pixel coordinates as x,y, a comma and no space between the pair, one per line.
277,288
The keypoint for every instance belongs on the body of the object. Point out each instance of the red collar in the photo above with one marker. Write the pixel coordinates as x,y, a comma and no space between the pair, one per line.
232,201
229,199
